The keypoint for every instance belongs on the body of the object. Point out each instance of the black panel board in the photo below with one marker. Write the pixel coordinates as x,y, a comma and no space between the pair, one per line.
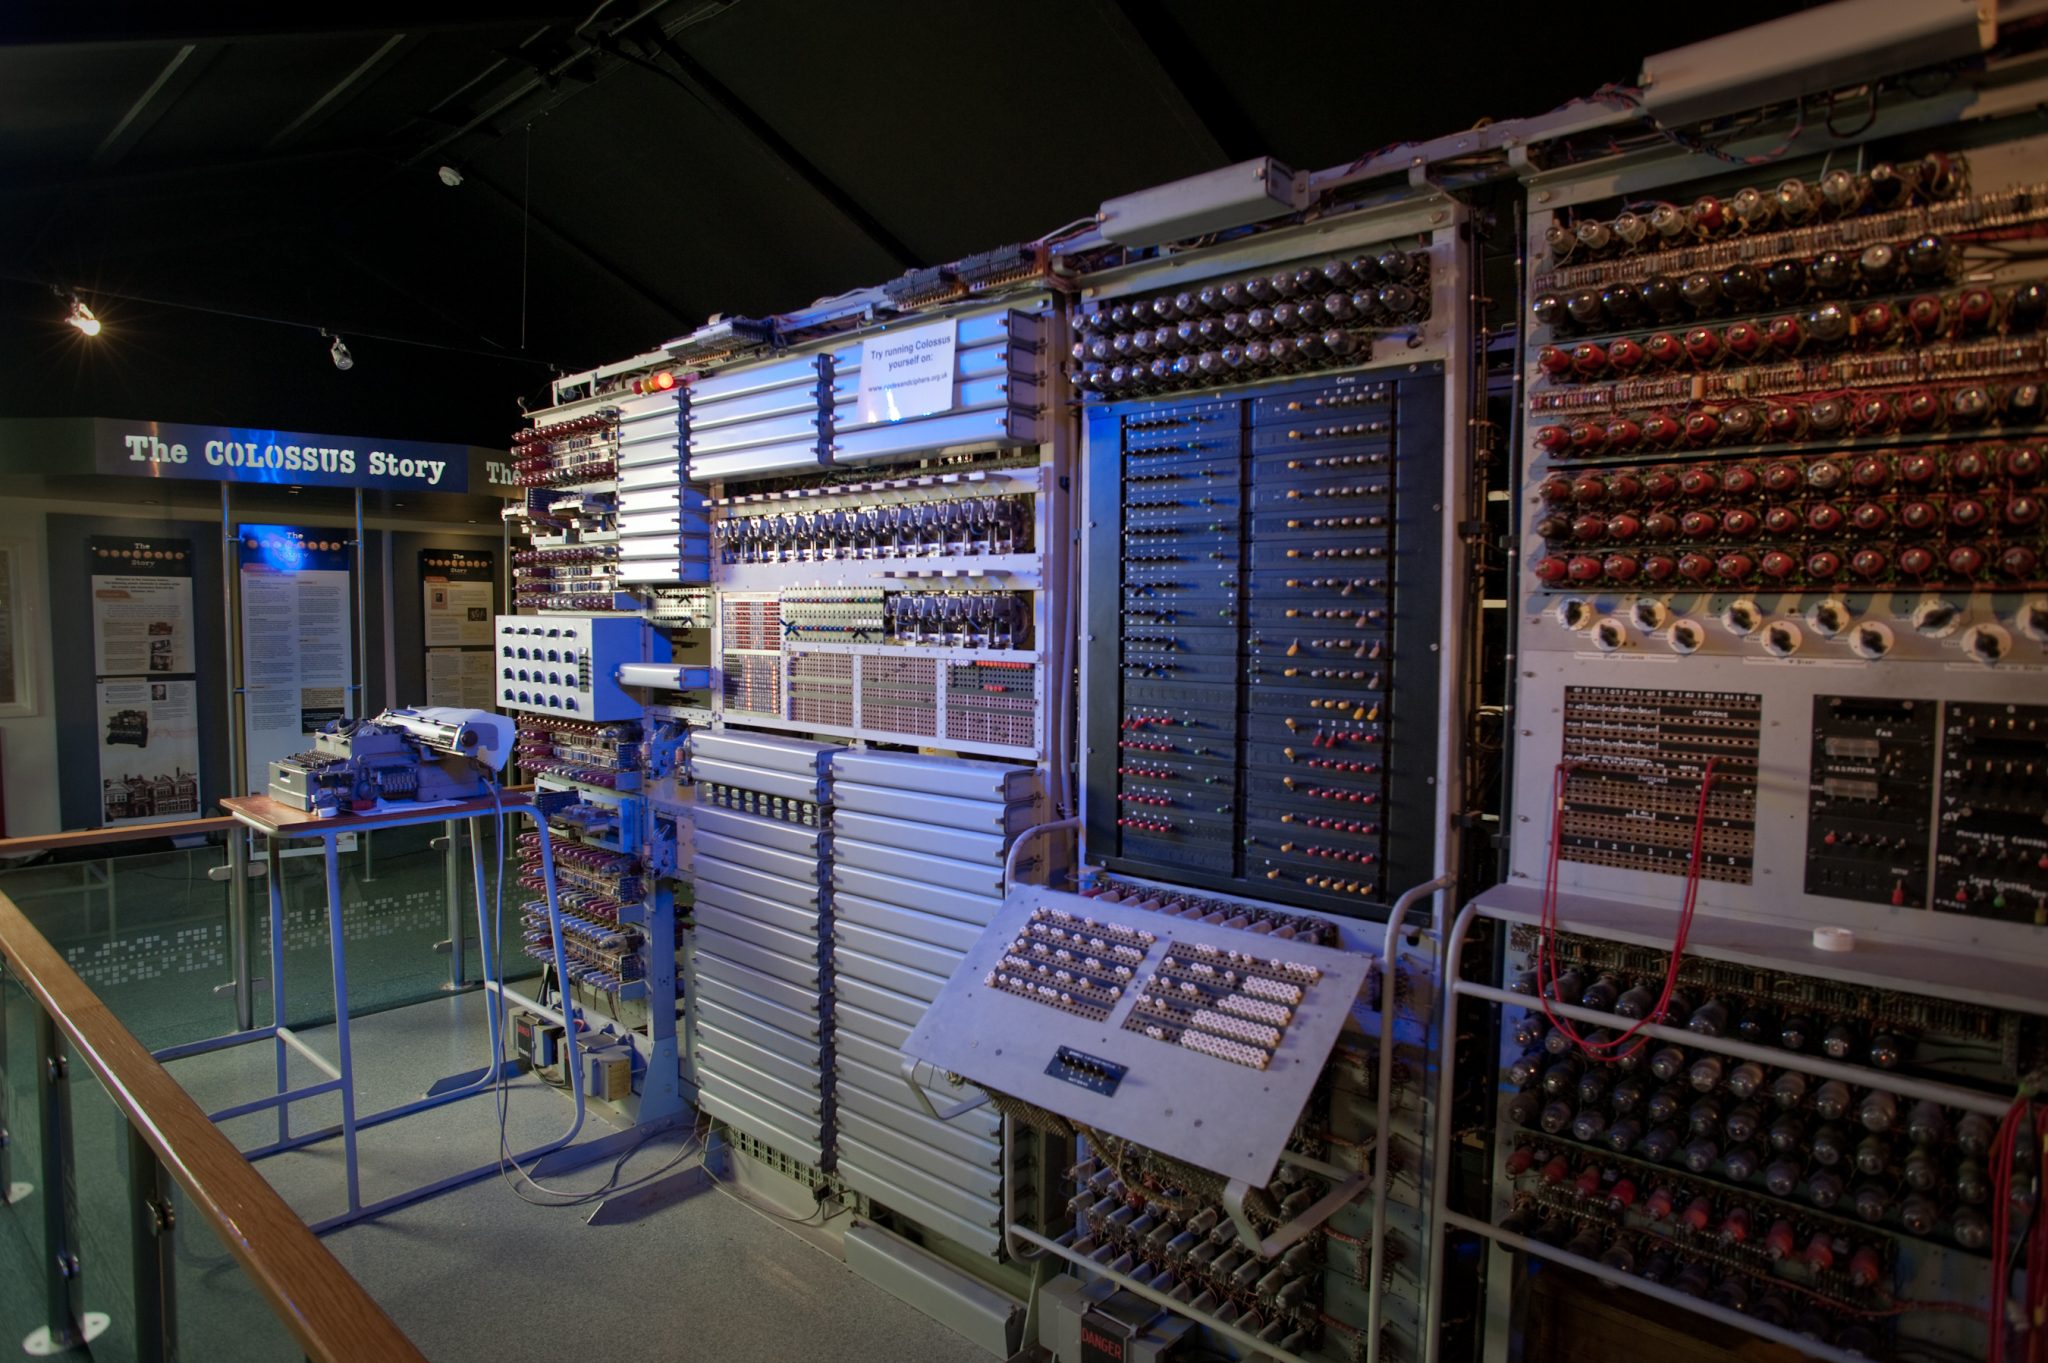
1266,648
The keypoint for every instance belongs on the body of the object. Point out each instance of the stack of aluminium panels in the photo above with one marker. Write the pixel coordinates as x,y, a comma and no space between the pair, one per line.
917,872
761,978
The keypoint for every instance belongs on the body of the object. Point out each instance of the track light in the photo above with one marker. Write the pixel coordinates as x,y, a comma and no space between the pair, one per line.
450,176
338,352
80,316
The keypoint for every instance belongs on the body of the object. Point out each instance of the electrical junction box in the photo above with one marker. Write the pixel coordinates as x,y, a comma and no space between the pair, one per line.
608,1073
1100,1323
536,1040
568,665
1248,192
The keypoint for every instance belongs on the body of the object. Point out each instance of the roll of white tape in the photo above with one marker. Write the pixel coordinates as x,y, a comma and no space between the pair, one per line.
1834,939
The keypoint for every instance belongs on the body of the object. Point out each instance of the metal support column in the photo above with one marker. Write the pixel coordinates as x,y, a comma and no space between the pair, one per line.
361,689
231,631
450,843
345,1058
151,1219
11,1192
69,1323
241,942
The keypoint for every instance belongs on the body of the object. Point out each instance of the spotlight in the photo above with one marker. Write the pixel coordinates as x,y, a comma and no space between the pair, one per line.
339,354
80,316
450,176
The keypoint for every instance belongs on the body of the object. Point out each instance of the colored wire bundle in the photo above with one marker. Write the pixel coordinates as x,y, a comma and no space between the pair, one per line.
1610,1050
2023,1118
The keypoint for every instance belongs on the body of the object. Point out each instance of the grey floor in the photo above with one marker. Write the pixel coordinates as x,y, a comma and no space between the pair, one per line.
477,1273
471,1274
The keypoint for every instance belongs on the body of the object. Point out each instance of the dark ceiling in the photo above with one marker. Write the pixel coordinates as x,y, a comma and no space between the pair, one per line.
202,174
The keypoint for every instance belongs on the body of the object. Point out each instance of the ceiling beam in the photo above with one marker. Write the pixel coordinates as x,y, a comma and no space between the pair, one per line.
149,23
544,78
185,67
135,177
338,95
696,80
563,241
1140,31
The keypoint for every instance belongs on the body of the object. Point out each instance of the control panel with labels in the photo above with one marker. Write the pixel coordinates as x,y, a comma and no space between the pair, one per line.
1196,1039
1784,443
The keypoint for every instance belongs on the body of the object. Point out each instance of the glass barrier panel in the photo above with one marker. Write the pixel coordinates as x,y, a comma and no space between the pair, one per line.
146,931
21,1221
151,932
219,1314
106,1209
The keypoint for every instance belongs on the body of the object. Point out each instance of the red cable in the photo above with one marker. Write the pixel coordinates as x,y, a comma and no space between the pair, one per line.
1609,1051
2037,1251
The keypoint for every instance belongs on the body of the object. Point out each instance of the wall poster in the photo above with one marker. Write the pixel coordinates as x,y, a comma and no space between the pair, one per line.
456,621
149,750
298,651
144,670
17,640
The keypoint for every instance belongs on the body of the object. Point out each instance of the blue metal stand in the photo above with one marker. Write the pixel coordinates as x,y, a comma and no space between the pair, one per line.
279,823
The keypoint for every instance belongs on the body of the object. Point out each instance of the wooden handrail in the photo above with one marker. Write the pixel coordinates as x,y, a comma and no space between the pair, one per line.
327,1311
141,832
100,837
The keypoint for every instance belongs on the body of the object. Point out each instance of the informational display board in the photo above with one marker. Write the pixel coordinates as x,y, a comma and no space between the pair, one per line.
455,616
141,606
17,658
149,750
143,671
907,372
298,653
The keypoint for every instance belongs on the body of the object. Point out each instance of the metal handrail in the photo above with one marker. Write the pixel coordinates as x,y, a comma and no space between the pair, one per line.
330,1314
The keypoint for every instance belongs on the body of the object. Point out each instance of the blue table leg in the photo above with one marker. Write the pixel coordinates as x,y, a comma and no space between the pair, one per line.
274,878
346,1062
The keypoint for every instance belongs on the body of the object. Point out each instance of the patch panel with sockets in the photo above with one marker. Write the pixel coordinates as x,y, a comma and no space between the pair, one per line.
1224,1003
1634,762
1074,964
1258,610
1264,920
781,808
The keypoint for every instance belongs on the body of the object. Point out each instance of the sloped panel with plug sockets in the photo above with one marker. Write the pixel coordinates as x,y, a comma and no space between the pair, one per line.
1187,1091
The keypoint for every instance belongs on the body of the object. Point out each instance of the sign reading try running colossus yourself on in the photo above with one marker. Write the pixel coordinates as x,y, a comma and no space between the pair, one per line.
230,454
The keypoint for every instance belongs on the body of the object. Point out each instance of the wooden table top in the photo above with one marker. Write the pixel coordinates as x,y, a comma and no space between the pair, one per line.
266,815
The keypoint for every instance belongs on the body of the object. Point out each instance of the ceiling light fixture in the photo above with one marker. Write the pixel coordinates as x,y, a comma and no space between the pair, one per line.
338,352
80,316
450,176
